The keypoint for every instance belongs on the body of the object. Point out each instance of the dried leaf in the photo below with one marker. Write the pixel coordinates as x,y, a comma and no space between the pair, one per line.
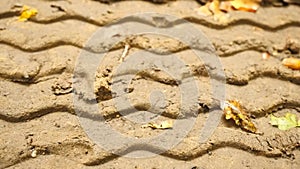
245,5
217,6
214,6
225,6
285,123
233,110
27,12
168,124
293,63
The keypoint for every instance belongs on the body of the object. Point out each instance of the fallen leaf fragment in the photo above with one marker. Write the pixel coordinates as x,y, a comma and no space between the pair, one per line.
27,12
233,110
226,6
214,6
293,63
168,124
245,5
218,8
285,123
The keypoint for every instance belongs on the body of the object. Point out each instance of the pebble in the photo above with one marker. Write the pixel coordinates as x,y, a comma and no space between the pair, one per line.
33,153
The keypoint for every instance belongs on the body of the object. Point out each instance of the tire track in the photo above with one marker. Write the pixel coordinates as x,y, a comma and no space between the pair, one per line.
66,11
37,67
119,46
44,101
30,68
110,113
36,91
204,162
202,22
38,41
70,138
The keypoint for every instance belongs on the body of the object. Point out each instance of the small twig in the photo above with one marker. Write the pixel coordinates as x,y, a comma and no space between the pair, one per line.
125,52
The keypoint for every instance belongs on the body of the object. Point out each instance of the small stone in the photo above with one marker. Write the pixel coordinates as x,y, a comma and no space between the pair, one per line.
265,56
293,45
33,153
26,76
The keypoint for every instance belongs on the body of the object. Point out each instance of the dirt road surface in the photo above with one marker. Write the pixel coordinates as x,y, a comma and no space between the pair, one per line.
40,129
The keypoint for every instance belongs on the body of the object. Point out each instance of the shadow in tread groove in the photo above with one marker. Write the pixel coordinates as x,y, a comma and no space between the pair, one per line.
64,108
182,157
195,20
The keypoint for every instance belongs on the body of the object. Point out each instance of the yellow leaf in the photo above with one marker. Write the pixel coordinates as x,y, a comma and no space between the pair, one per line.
233,110
293,63
215,7
285,123
27,13
163,125
245,5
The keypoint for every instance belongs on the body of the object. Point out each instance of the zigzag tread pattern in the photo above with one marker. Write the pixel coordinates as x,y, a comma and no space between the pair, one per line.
39,122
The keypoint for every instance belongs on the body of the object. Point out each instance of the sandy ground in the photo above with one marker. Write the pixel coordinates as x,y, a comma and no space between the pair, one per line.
39,127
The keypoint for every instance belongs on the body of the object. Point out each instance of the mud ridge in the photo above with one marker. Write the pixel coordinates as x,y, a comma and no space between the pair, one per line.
279,106
242,78
47,120
25,117
134,42
72,15
28,116
239,22
272,149
194,20
50,45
